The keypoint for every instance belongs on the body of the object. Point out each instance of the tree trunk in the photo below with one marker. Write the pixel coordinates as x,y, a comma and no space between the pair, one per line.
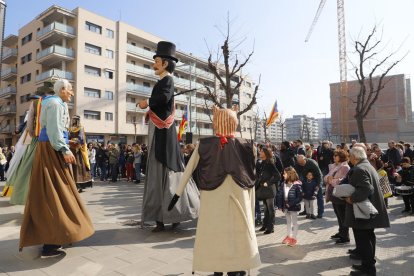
361,131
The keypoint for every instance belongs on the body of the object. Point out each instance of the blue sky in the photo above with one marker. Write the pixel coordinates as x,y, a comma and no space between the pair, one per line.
295,73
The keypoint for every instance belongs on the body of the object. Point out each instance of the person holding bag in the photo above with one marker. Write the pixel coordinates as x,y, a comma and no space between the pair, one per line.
266,183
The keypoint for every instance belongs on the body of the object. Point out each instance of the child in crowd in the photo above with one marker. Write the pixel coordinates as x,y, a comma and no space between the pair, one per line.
310,189
288,200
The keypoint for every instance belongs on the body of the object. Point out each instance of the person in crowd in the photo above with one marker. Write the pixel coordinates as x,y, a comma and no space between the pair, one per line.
408,152
137,163
364,179
3,162
189,148
325,157
392,156
257,209
299,148
310,190
308,150
384,182
287,155
337,172
405,177
102,161
400,148
305,165
121,170
289,197
54,214
268,176
92,159
224,168
165,163
113,159
9,155
77,144
129,165
144,158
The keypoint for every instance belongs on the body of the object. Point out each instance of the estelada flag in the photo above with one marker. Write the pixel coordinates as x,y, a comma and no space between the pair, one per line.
182,126
274,113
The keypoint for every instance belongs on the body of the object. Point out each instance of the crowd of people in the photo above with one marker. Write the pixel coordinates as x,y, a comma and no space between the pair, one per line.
220,180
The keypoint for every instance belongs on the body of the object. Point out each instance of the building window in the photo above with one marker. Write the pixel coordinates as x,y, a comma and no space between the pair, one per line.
92,71
24,98
109,116
93,93
146,48
109,74
109,54
147,84
92,49
248,84
27,39
26,78
26,58
92,115
109,95
93,27
109,33
147,66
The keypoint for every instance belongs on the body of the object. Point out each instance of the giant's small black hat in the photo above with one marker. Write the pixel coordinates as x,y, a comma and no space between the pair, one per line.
166,49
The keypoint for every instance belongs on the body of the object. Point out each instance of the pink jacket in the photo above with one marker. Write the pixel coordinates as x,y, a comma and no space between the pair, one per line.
338,172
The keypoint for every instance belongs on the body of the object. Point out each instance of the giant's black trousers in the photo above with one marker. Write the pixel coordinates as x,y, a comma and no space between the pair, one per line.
366,240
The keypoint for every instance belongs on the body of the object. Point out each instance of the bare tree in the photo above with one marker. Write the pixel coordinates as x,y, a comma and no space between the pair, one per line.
371,84
282,124
229,75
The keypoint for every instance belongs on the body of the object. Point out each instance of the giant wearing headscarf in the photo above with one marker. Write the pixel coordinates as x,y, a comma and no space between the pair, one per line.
223,167
165,162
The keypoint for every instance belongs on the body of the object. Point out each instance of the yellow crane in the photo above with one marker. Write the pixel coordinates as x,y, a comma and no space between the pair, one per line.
343,114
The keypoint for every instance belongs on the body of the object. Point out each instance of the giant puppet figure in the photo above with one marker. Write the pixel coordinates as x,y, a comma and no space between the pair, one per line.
165,162
223,168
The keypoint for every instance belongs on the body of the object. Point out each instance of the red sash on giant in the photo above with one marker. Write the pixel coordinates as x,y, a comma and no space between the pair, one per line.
158,122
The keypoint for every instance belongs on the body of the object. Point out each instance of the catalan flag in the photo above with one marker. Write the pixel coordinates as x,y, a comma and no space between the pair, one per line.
274,113
182,126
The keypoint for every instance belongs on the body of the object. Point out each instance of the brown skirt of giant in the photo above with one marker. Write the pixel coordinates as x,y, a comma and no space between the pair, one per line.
54,212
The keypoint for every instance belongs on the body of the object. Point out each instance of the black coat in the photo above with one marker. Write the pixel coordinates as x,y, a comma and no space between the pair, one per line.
310,189
366,182
267,173
167,149
294,197
287,157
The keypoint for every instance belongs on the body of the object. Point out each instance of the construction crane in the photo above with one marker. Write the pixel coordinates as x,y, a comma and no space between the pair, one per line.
343,114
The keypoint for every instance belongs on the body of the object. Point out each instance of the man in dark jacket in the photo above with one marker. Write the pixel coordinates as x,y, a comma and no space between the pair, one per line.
366,182
325,157
287,156
392,156
302,167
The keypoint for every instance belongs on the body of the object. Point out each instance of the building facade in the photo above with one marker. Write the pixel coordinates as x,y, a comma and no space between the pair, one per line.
274,133
109,64
389,118
302,127
325,129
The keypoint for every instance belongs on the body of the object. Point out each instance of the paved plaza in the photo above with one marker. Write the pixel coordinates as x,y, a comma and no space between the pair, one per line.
120,247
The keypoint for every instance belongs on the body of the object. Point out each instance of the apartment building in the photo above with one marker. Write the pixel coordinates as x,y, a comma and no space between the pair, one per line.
274,133
389,118
302,127
109,64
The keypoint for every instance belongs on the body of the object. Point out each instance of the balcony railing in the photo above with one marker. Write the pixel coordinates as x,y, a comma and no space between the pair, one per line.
140,70
140,89
56,49
139,51
7,109
10,52
132,107
8,71
56,26
7,129
54,73
8,90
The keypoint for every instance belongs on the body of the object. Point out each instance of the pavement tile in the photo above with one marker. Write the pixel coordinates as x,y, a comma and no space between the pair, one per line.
140,268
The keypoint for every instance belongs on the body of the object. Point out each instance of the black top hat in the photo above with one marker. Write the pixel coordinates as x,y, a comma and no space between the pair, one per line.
166,49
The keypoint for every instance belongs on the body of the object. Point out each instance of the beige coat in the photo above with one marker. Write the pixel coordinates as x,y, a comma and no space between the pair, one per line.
225,237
